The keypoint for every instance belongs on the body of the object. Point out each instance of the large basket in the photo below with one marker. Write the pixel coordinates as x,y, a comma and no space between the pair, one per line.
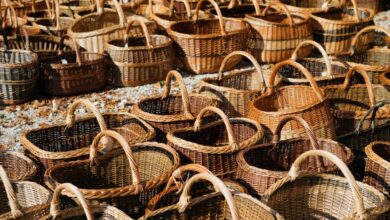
273,39
262,165
140,60
170,112
324,196
17,166
126,178
203,44
277,103
215,145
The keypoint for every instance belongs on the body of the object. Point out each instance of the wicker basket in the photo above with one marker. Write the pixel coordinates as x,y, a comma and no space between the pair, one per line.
203,44
170,112
324,196
275,104
261,166
313,6
126,178
221,205
140,60
215,145
275,36
17,166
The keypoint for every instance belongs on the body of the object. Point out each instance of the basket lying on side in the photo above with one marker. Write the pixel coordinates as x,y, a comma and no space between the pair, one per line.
313,6
221,205
17,166
216,144
324,196
277,103
262,165
139,60
126,178
170,112
272,38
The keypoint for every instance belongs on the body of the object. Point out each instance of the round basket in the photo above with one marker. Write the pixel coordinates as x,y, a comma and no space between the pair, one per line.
17,166
262,165
216,144
313,6
127,178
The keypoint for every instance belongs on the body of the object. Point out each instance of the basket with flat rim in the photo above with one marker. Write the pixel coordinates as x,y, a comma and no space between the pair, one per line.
215,144
126,177
222,204
17,166
274,37
170,112
276,103
68,141
319,196
234,10
236,88
313,6
139,60
202,44
262,165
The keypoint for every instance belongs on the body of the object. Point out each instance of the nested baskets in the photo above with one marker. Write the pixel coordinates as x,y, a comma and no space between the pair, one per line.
17,166
170,112
139,60
126,178
221,205
324,196
73,73
203,44
309,103
262,165
274,37
68,141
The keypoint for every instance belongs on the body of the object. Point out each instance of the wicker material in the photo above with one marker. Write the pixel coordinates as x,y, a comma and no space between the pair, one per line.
17,166
313,6
126,178
44,12
10,21
375,5
179,6
72,7
240,10
274,36
26,6
170,112
385,79
275,104
59,143
216,144
261,166
203,44
140,60
324,196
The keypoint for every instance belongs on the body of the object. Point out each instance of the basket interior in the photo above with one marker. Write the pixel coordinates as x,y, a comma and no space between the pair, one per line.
15,167
15,57
370,57
96,22
345,14
71,58
303,3
64,21
382,150
237,12
136,41
38,14
207,26
281,18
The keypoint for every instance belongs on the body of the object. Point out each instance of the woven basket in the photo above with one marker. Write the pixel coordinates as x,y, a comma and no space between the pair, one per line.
126,178
275,36
324,196
203,44
275,104
216,144
261,166
17,166
59,143
313,6
140,60
221,205
72,7
170,112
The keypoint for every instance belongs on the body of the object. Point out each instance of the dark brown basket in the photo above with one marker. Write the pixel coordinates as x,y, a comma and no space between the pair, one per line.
17,166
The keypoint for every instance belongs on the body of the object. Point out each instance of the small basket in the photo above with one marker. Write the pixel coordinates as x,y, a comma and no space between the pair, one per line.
215,145
324,196
140,60
262,165
17,166
126,178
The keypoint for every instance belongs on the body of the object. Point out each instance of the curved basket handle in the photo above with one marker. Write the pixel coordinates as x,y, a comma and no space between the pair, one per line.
14,19
186,6
372,110
118,8
365,30
70,117
356,10
294,174
11,196
183,89
144,30
75,46
363,73
217,9
319,48
55,202
244,54
303,70
198,124
57,13
48,6
282,6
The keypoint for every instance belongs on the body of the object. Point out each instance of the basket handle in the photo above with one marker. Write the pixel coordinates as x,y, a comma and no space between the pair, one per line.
282,6
186,5
365,30
294,174
57,13
10,9
244,54
75,46
144,30
217,9
55,208
198,124
48,8
11,196
319,48
372,110
301,68
183,89
363,73
218,185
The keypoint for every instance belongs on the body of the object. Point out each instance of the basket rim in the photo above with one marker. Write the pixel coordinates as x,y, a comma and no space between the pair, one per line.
374,156
34,59
111,47
32,171
98,60
322,20
258,20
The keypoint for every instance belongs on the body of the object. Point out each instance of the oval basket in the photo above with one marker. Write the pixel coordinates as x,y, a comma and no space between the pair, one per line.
17,166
